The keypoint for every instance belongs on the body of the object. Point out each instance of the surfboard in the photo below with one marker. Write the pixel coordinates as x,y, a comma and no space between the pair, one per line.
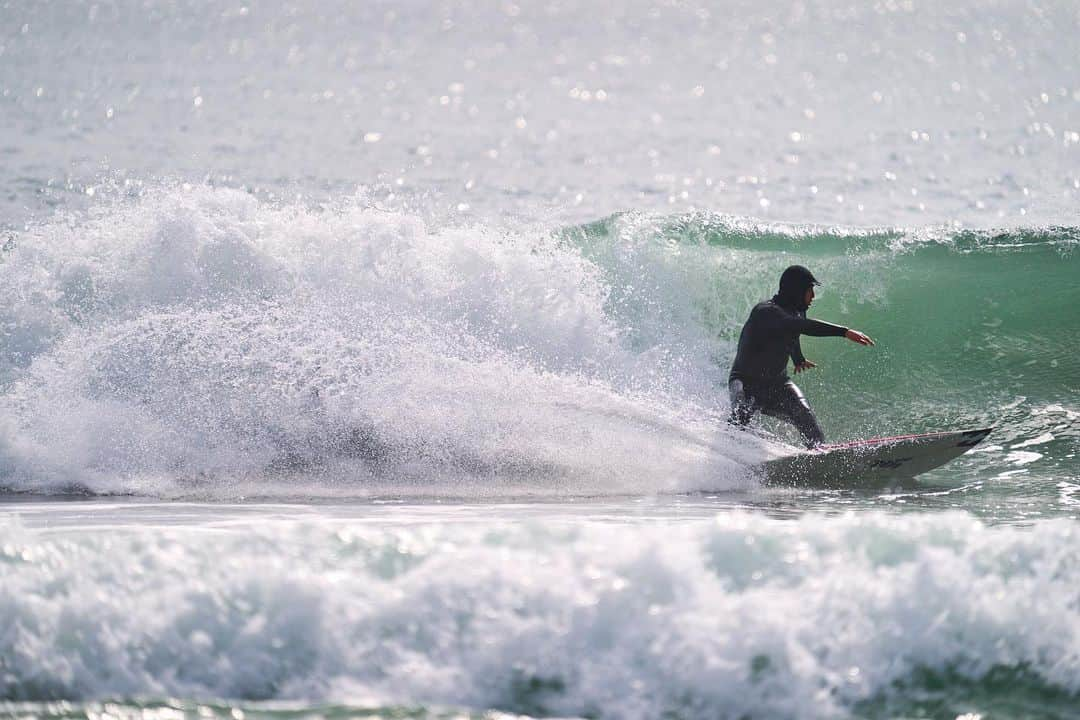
870,463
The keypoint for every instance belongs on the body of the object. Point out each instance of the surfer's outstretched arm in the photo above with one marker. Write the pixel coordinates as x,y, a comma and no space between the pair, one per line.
800,324
820,328
857,337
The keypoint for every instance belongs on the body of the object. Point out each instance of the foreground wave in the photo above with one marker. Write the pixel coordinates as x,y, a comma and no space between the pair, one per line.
743,616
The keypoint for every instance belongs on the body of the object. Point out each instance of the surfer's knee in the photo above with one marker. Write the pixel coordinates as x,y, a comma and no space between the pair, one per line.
742,405
801,415
794,395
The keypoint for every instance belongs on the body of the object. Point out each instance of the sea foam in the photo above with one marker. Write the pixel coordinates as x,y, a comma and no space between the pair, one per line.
741,615
195,338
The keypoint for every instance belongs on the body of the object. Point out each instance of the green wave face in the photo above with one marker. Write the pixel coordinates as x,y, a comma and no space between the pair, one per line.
972,328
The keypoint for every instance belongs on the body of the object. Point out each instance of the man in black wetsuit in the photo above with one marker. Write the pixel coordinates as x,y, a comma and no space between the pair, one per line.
759,380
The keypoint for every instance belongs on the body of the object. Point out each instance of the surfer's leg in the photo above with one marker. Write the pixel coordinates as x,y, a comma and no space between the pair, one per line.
787,403
743,406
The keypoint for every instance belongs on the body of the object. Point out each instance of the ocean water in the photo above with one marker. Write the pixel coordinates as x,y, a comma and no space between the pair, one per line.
369,360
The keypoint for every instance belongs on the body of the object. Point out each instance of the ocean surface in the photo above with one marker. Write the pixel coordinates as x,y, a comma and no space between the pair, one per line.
370,359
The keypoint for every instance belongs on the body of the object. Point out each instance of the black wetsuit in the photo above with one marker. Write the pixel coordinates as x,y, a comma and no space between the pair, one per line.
759,381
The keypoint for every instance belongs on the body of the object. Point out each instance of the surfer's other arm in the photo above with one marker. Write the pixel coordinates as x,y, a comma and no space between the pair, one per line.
798,359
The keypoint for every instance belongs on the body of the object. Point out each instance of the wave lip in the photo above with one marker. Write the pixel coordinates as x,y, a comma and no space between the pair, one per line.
741,616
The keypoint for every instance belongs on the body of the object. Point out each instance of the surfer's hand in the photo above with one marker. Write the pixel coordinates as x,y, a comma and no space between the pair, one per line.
804,365
857,337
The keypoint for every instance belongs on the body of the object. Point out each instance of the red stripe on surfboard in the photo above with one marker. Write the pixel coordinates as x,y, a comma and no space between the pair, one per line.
894,438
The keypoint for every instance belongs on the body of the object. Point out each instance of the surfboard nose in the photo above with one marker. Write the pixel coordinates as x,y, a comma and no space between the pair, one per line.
971,438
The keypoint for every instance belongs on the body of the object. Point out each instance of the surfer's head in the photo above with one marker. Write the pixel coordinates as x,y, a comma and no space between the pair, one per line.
797,288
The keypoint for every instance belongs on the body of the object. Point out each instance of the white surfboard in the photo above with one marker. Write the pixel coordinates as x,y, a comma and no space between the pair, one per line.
870,463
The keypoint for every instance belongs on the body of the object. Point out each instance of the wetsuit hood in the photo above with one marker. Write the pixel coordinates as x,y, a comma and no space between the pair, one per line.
794,282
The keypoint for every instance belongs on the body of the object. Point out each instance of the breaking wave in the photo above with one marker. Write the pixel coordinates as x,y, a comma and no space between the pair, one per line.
197,340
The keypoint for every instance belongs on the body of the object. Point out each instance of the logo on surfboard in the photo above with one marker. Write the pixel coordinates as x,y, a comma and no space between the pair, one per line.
890,464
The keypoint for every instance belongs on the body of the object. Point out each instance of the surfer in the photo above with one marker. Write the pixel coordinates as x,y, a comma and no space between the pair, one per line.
759,381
